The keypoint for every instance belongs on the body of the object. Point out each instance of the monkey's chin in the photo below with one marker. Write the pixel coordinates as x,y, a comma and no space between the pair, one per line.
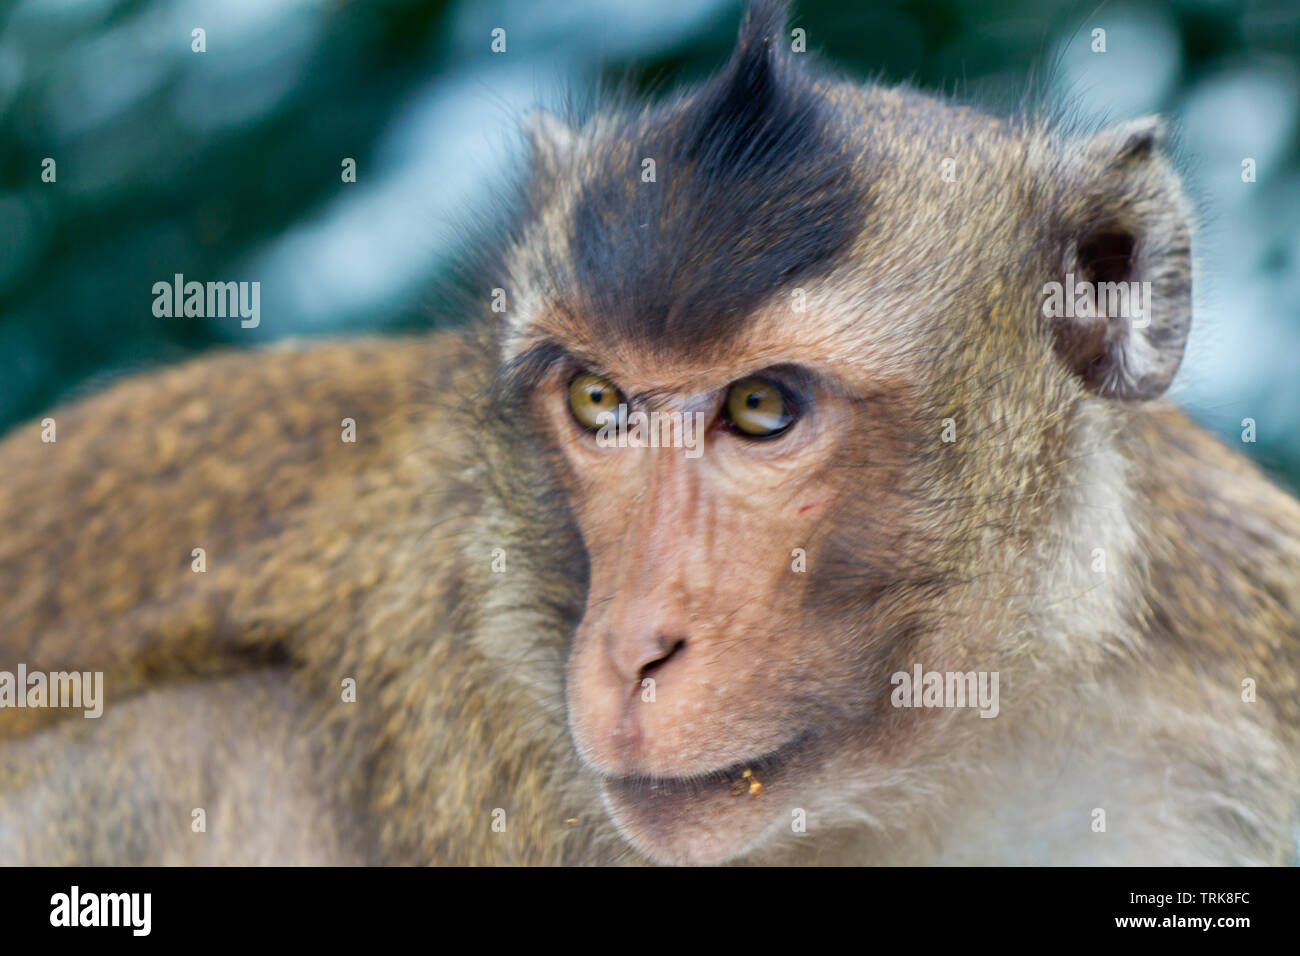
704,819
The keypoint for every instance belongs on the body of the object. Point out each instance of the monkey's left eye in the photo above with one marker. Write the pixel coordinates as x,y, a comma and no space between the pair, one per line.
593,400
759,408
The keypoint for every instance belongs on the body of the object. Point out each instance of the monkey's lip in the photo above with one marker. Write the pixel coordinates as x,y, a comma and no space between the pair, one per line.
708,817
767,766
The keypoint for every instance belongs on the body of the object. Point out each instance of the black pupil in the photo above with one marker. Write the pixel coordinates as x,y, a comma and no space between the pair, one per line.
753,400
597,396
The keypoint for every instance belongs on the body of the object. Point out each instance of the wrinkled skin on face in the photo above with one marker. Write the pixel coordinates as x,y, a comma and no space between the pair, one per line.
707,649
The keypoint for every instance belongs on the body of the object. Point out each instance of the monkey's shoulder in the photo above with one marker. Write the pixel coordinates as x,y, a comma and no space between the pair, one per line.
1222,547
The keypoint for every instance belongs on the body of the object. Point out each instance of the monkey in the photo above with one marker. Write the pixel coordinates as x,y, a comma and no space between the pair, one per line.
484,633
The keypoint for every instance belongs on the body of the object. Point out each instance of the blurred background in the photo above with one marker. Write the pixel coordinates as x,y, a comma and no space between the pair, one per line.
225,164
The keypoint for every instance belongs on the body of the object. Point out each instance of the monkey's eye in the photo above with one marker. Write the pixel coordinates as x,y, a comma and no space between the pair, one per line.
593,400
759,408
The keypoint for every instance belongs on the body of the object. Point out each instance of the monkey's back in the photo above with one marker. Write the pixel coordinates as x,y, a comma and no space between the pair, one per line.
242,455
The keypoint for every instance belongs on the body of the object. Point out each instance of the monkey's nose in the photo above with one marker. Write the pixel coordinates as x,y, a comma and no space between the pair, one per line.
636,658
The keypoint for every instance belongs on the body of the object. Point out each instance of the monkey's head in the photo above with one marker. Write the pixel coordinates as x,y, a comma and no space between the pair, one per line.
825,305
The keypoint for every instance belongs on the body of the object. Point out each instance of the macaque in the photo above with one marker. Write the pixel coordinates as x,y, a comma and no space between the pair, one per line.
943,580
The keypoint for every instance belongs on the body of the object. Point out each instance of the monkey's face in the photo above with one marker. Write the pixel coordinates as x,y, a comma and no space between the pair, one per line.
727,647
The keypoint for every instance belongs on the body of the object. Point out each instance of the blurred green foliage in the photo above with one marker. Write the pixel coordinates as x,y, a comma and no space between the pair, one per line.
224,165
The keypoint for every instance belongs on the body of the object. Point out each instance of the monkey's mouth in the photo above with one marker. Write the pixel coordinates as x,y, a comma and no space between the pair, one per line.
706,817
768,766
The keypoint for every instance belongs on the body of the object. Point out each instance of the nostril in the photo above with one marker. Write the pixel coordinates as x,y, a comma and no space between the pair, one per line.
673,649
634,652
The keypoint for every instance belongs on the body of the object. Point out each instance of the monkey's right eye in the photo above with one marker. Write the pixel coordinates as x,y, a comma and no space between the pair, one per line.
759,408
593,400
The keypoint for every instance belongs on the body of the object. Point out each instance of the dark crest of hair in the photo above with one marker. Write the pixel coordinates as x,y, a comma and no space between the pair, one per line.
756,189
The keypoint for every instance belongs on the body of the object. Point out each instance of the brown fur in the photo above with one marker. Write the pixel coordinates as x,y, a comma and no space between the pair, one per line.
322,561
1120,690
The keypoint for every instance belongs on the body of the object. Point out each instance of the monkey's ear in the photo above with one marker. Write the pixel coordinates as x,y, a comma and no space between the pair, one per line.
1126,221
551,141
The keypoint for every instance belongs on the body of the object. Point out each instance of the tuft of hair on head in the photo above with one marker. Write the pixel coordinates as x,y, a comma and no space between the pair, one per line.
755,187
